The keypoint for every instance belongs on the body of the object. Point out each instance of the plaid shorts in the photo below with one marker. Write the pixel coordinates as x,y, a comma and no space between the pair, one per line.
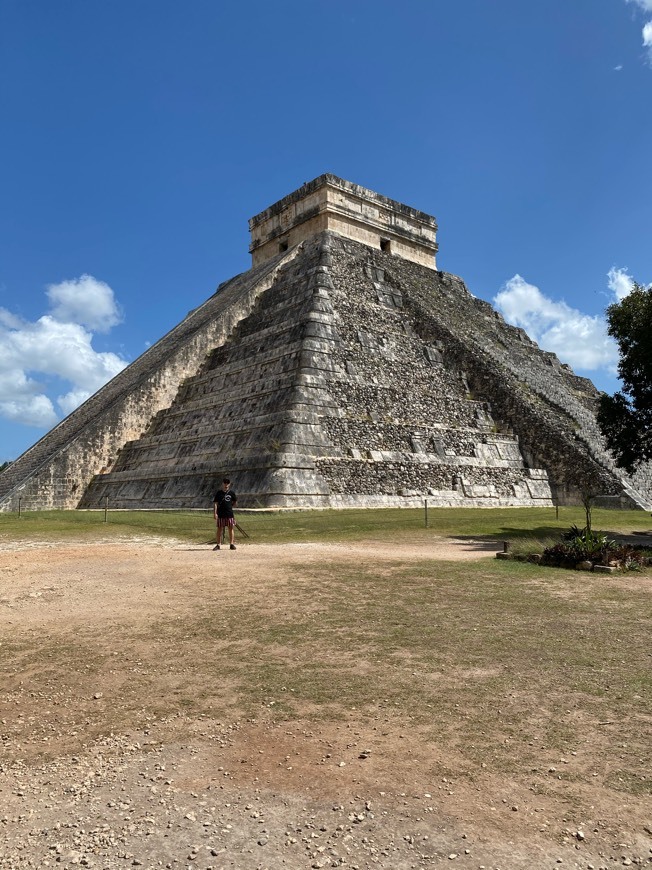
223,522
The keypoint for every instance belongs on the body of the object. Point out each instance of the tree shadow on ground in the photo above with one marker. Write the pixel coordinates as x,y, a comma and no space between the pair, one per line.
636,538
507,533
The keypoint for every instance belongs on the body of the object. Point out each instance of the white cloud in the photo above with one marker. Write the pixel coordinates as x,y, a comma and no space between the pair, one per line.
73,399
21,398
56,348
9,319
578,339
63,349
645,5
31,410
620,283
13,381
84,300
647,35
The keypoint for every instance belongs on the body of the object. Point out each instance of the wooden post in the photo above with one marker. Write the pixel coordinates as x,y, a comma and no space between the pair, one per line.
20,498
426,505
106,508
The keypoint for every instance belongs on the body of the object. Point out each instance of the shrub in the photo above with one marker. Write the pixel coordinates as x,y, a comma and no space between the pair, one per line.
561,555
580,546
584,545
630,558
589,546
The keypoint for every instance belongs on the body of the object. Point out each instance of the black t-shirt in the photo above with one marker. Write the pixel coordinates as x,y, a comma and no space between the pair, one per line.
225,501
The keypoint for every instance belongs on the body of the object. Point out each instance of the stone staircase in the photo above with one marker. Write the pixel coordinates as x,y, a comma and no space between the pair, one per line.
54,473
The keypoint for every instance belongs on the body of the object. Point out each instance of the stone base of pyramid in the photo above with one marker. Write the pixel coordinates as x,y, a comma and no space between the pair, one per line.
301,487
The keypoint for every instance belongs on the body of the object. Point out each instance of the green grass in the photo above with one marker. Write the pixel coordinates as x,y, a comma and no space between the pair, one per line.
527,545
330,525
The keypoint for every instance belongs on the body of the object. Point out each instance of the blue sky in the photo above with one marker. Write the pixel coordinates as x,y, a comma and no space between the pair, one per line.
137,138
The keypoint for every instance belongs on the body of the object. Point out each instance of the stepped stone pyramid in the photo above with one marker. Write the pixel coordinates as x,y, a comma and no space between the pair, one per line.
342,370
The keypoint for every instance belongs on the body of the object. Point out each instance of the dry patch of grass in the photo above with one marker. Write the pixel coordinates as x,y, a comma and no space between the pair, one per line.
499,661
503,663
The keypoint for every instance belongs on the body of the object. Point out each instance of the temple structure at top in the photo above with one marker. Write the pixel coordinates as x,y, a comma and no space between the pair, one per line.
331,203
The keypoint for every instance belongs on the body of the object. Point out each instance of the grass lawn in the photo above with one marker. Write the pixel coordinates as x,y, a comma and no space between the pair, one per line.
329,525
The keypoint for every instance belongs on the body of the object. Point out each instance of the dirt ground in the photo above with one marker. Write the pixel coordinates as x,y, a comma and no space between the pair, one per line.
106,763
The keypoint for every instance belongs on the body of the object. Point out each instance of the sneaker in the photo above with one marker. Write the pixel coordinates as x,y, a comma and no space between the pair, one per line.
232,546
217,547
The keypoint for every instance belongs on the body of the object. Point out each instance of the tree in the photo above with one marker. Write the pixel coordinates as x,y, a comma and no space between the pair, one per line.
588,496
625,418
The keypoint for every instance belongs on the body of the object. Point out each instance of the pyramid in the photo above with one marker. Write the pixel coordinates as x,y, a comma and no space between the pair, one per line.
342,370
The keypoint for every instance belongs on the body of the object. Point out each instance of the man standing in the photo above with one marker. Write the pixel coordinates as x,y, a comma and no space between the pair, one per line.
223,505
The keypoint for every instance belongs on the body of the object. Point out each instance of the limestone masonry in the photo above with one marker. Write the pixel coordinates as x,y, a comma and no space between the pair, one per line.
342,370
330,203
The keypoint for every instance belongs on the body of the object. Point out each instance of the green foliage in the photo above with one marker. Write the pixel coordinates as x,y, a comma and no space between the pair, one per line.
586,538
573,532
626,417
580,545
583,545
587,502
589,545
